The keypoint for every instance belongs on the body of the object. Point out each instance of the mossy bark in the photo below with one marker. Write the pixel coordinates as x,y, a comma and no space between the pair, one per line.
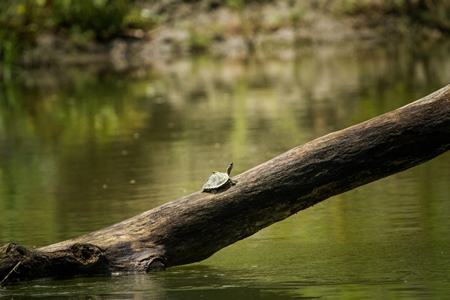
194,227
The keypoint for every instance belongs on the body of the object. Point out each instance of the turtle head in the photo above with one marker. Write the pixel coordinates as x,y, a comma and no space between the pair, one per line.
230,166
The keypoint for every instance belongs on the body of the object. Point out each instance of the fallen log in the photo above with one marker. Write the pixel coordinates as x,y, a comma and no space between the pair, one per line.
194,227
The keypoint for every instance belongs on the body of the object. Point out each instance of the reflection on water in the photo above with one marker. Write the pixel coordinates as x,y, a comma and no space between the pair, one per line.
82,150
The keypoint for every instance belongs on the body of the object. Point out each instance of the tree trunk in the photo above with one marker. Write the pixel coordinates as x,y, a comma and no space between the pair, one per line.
194,227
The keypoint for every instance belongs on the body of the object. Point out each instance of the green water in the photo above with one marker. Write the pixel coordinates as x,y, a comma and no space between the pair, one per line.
81,149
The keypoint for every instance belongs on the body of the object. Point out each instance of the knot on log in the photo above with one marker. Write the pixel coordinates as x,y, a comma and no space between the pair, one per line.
86,259
86,253
15,251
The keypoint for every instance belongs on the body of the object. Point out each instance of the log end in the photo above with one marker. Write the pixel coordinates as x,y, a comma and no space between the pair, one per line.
18,264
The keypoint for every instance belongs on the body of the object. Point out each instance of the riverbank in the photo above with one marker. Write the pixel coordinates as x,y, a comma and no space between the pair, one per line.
231,29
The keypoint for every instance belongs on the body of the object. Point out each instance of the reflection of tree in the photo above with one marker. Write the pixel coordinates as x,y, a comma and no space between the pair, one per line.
83,109
42,129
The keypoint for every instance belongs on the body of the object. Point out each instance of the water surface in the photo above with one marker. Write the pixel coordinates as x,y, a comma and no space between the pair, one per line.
83,149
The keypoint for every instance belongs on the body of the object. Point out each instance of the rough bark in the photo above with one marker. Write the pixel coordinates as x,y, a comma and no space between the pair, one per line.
194,227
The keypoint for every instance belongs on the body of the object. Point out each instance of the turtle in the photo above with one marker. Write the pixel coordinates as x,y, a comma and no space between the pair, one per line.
218,180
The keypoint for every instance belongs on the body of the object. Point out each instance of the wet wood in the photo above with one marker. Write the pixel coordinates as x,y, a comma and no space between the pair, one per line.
194,227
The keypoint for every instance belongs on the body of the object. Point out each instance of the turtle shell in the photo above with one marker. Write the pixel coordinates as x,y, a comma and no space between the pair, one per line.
216,181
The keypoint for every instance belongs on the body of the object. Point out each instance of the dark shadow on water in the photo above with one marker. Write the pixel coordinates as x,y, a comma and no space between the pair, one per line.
192,282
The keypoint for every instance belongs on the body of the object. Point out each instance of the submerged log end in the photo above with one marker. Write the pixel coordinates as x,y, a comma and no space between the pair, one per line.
156,264
18,264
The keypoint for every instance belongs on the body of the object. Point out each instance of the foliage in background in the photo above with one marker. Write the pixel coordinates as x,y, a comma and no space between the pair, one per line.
19,23
431,13
434,13
102,19
81,20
